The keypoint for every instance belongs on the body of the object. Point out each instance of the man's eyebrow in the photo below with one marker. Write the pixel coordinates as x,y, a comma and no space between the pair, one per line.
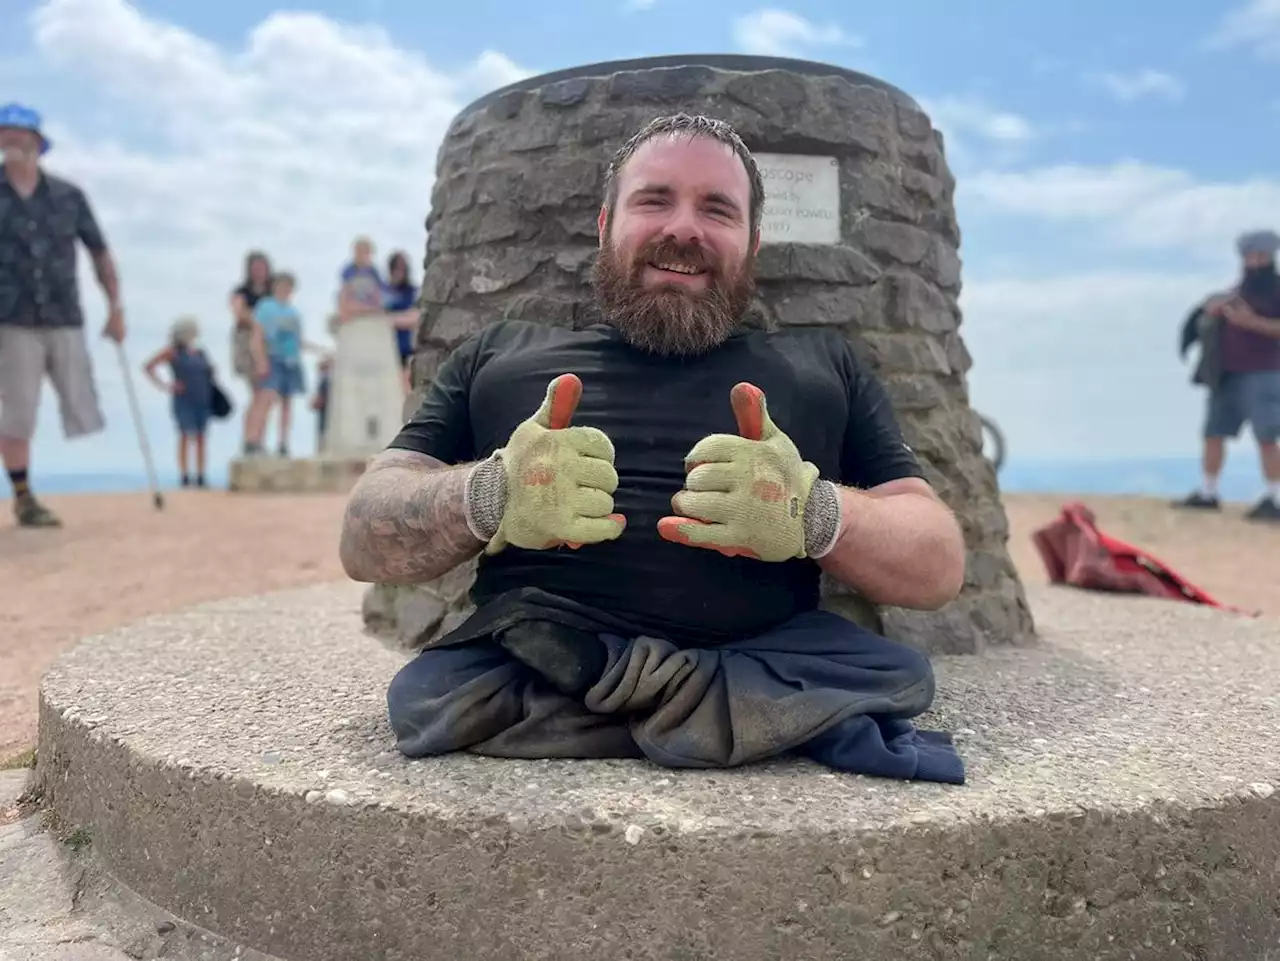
653,190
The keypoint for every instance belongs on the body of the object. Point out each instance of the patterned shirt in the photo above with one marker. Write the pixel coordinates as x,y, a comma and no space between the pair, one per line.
38,286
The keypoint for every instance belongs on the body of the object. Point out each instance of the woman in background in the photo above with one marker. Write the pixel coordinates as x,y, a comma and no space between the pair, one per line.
400,301
248,352
190,385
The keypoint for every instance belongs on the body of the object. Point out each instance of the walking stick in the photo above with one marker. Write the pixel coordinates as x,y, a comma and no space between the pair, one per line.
156,496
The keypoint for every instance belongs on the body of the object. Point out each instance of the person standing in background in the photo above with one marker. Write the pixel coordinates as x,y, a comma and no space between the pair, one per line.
191,387
361,290
401,302
41,321
320,399
1247,388
281,324
248,353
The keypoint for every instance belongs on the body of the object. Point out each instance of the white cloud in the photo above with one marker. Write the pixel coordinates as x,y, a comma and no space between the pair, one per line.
1084,365
780,33
1254,25
309,133
977,134
1131,205
1079,363
1128,87
973,116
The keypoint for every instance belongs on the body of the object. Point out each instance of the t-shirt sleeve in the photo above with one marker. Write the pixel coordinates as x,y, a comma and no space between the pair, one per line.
874,449
87,228
441,426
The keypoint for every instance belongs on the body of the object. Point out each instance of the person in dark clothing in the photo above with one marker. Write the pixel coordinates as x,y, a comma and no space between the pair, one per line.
400,300
191,387
654,498
1239,333
41,321
248,348
320,399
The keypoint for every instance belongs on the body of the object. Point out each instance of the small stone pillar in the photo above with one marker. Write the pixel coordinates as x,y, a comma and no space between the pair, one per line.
366,398
859,233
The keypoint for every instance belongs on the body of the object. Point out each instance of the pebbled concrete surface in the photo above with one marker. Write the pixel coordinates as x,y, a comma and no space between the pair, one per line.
233,764
58,904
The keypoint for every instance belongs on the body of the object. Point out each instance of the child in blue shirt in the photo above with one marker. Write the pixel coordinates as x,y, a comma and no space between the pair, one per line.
281,325
361,290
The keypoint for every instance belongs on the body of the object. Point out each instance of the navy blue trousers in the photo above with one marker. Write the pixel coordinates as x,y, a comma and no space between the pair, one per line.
818,686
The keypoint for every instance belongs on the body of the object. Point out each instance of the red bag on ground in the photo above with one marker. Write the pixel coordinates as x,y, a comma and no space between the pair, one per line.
1075,552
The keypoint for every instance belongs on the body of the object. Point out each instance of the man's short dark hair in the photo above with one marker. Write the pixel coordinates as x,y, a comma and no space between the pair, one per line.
682,124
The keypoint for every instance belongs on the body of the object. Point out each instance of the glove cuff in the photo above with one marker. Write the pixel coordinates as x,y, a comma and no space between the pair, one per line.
822,518
486,497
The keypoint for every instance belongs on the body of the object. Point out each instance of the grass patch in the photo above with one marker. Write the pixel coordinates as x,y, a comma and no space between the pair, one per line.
24,760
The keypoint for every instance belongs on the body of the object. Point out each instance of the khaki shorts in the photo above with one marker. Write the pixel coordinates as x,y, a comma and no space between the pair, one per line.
26,355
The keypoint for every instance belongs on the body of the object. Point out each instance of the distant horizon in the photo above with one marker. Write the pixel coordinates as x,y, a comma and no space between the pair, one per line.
1160,477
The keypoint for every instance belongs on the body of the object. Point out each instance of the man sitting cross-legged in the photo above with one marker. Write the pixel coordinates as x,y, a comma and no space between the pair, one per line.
655,497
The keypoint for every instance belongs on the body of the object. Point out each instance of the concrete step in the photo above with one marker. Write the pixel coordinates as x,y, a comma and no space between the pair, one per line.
233,764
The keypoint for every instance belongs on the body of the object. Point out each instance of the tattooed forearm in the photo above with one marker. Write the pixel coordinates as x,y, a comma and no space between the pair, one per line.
406,521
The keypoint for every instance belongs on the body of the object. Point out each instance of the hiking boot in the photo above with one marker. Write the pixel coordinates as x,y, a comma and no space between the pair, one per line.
31,513
1199,500
1265,510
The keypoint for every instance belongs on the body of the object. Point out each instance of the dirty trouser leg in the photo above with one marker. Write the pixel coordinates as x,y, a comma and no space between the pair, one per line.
818,685
476,697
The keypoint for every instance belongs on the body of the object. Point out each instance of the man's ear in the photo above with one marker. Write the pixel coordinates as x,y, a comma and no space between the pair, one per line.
602,222
756,246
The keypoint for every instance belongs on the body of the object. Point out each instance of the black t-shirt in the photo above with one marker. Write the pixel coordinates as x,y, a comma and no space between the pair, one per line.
655,410
250,295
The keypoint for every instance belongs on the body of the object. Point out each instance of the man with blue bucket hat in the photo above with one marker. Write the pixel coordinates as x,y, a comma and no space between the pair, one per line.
41,323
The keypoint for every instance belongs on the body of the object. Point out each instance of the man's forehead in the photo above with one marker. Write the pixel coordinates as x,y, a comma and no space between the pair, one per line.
679,156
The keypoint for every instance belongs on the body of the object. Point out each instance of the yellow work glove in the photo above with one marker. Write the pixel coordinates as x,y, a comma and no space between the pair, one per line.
551,485
746,495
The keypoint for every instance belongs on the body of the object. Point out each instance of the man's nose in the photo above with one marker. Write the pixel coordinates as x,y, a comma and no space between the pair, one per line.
684,225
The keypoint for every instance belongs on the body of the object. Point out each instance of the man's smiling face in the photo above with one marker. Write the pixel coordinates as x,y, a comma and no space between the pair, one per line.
677,249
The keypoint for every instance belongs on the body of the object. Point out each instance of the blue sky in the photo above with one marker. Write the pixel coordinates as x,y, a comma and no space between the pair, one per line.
1106,155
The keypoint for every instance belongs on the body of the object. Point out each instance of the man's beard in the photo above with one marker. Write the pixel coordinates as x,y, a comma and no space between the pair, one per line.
1260,282
671,320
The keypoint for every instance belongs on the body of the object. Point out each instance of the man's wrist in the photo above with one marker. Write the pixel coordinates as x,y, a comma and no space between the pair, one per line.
823,519
486,498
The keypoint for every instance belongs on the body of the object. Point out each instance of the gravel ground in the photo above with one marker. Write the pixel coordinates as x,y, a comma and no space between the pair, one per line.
117,559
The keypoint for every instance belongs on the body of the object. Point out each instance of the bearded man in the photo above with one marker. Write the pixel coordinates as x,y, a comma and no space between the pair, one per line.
1242,330
656,497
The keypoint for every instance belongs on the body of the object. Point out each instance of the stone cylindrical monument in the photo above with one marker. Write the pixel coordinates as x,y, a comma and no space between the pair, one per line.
859,233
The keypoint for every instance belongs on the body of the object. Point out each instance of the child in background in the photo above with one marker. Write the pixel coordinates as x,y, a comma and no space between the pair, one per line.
320,399
191,387
281,325
361,290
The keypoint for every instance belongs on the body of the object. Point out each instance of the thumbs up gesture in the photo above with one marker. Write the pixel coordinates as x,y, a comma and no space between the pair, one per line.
744,495
559,480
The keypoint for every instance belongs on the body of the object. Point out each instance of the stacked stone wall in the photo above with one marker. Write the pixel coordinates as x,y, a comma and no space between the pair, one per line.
512,234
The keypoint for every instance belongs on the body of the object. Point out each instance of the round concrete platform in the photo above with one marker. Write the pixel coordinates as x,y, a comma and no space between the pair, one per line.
233,764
